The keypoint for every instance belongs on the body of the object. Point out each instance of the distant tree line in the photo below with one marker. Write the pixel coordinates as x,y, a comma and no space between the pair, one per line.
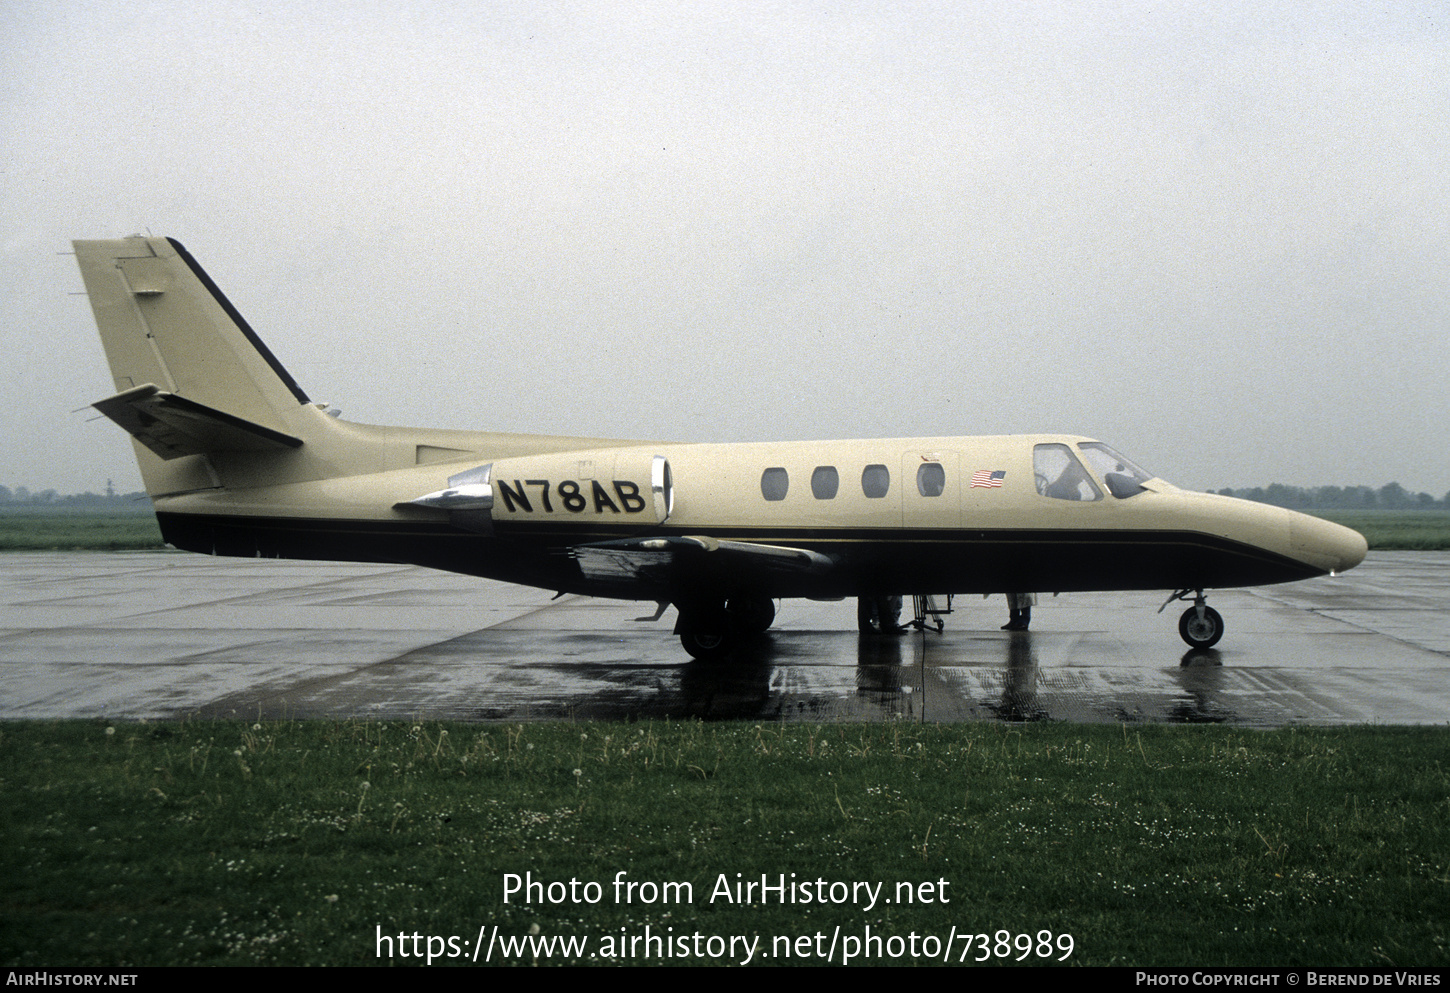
20,496
1391,496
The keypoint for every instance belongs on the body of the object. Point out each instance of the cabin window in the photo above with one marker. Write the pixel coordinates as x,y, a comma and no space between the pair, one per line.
1060,475
875,481
931,479
825,482
774,483
1123,478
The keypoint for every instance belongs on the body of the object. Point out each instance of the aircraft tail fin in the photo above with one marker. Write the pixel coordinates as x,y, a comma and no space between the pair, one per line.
164,322
194,380
208,405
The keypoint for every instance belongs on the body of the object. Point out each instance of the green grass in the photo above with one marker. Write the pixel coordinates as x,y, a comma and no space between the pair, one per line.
1405,530
40,529
236,843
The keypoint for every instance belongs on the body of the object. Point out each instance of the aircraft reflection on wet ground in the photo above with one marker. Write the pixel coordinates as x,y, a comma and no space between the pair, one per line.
836,676
86,635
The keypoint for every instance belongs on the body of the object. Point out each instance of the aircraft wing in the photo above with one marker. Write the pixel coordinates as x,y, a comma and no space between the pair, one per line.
665,560
173,426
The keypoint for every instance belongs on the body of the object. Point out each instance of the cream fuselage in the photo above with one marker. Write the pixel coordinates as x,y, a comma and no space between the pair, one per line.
958,538
239,461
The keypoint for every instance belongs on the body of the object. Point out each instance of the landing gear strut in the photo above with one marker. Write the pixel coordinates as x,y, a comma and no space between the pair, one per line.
1200,626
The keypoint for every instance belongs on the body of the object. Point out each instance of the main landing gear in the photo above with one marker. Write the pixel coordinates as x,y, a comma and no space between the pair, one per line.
1200,626
711,631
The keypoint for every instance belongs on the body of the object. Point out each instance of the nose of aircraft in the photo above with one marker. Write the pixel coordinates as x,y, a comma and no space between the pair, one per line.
1328,546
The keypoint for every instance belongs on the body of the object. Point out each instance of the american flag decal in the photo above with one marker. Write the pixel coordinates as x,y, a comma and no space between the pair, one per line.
990,478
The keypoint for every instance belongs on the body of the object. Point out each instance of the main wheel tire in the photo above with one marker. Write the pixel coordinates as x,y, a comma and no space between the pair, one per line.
1200,632
704,646
751,615
706,637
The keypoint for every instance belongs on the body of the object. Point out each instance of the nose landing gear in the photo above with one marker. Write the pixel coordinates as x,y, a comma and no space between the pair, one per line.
1200,626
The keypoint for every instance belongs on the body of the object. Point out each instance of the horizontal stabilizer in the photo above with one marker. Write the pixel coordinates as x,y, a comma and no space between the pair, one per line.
173,426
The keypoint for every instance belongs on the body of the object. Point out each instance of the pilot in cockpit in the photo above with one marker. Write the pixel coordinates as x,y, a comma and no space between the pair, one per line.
1069,483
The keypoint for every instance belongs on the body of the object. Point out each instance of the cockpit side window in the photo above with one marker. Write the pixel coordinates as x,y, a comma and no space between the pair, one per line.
1123,478
1060,475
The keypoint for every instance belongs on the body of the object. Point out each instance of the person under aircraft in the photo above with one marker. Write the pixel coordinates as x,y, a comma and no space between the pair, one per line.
1019,611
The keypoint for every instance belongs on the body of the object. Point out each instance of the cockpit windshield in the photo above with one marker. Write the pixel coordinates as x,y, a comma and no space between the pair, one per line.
1123,477
1062,477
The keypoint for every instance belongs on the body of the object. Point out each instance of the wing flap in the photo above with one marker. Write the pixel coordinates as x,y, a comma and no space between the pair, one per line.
661,560
173,426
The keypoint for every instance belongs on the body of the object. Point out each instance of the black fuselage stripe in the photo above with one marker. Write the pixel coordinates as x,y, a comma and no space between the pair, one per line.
556,538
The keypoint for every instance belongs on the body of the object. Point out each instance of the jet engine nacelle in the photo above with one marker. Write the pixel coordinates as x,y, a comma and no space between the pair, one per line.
609,486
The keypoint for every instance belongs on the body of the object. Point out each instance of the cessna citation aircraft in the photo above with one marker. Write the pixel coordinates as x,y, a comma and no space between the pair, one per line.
240,462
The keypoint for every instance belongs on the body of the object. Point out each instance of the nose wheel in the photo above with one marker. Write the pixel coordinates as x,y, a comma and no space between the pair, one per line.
1201,631
1200,626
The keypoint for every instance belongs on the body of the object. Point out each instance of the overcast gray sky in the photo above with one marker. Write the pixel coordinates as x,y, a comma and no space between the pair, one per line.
1215,235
